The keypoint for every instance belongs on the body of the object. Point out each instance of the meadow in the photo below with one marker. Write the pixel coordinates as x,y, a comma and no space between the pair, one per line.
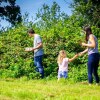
44,89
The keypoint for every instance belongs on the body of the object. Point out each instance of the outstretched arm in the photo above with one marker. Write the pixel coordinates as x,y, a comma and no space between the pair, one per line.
83,52
71,59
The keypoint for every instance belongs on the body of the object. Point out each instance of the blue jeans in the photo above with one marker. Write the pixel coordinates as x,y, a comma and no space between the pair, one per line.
62,74
39,65
93,63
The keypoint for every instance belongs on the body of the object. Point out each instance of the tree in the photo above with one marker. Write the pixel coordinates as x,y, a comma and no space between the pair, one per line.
50,16
89,10
10,12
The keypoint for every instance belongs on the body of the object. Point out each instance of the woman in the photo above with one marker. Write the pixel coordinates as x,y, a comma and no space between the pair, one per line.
93,55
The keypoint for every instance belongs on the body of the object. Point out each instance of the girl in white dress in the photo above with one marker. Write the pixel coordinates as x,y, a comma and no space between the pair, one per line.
63,64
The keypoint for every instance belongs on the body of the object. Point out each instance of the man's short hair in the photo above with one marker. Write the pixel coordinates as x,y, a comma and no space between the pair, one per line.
31,31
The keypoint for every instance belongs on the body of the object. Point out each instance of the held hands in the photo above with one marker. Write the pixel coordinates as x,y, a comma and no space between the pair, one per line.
76,55
79,54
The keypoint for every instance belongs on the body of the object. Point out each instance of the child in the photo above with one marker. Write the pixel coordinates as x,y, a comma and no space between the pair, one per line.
63,64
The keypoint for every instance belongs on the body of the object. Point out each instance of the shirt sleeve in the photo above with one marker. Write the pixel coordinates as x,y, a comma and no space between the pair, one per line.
39,40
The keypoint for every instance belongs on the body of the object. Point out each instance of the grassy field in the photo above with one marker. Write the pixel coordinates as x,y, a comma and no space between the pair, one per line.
20,89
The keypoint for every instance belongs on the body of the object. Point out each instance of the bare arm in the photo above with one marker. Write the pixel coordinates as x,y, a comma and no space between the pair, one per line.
83,52
73,58
38,46
91,39
32,49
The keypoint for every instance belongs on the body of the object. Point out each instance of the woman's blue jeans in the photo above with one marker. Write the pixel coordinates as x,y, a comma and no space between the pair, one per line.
93,63
39,65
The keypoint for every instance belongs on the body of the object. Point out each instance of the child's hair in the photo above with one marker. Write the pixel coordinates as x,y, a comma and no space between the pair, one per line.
62,54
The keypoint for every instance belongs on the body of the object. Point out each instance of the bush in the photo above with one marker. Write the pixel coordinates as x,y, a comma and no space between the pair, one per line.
15,62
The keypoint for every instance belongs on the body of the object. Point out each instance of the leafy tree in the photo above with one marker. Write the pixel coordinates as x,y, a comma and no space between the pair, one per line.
49,16
10,12
89,10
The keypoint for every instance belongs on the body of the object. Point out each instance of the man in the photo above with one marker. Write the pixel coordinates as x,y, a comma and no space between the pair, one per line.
38,51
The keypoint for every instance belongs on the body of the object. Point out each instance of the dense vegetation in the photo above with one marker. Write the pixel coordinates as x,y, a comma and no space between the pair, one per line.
58,31
89,9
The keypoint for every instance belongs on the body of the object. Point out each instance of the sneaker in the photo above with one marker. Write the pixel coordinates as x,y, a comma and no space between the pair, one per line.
90,84
97,84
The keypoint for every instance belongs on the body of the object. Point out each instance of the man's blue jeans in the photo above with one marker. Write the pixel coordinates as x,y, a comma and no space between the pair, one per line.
39,65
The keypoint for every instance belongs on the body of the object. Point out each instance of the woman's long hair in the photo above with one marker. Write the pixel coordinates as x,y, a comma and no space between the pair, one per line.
62,54
88,32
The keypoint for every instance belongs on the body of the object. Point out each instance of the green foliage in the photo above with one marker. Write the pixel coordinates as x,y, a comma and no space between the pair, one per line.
10,11
21,89
50,16
89,10
15,62
64,34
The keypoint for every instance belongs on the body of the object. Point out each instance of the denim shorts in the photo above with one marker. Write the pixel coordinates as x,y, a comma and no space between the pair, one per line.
62,74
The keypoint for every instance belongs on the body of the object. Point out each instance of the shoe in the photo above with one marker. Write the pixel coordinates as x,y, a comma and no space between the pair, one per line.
97,84
90,84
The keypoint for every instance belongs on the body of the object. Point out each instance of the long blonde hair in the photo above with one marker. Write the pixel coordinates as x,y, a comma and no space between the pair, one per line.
62,54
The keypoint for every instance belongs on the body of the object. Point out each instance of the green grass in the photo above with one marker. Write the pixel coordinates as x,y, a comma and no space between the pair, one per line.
47,90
